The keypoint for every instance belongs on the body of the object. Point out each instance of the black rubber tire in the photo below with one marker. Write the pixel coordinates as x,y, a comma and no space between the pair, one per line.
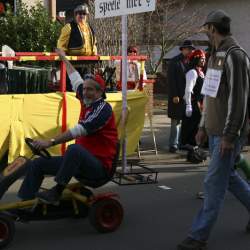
106,215
7,230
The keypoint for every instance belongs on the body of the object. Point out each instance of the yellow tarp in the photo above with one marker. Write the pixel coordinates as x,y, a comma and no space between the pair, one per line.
40,116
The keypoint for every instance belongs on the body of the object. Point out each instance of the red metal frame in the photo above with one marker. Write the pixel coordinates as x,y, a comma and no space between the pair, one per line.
47,56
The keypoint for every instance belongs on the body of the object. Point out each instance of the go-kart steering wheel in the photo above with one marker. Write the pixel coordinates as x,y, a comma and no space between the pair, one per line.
43,152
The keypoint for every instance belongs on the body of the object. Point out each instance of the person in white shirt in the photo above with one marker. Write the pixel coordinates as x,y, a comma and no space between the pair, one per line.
193,97
133,71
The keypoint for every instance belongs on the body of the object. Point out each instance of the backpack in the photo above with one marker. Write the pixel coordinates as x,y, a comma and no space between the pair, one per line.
196,155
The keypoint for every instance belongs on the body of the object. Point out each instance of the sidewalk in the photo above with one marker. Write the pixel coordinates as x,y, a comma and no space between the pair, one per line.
149,160
161,126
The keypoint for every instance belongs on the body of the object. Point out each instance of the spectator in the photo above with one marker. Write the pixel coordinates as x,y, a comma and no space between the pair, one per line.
193,98
176,88
78,37
133,69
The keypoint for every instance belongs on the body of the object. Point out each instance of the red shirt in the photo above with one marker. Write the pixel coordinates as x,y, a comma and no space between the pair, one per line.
101,139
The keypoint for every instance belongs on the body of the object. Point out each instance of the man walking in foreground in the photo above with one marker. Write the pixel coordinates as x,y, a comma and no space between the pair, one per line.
225,121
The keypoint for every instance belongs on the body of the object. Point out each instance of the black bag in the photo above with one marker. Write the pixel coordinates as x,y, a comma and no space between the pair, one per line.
196,155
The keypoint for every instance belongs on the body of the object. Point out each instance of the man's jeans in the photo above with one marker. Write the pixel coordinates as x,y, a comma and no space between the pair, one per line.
220,177
77,162
174,133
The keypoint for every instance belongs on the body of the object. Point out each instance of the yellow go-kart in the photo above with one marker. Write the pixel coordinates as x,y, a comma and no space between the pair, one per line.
104,211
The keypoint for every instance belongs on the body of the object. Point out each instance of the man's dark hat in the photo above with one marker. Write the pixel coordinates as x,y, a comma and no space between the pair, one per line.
218,17
83,8
187,44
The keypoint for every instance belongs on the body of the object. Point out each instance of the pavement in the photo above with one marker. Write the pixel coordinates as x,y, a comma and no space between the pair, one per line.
156,216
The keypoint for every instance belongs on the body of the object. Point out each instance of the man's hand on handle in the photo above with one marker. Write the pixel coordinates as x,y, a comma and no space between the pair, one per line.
69,67
60,53
42,144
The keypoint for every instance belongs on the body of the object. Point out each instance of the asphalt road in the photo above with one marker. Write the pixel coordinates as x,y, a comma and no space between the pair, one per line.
155,218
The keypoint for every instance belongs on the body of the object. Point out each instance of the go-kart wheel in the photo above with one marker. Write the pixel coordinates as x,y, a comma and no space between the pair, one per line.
7,230
43,153
106,215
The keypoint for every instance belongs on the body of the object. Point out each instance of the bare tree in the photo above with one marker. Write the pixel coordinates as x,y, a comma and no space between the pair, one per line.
108,32
167,26
163,28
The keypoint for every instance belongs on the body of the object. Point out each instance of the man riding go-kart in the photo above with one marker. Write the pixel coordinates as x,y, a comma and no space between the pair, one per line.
92,160
92,154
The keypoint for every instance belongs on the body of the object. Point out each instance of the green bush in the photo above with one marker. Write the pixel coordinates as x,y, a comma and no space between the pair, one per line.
30,30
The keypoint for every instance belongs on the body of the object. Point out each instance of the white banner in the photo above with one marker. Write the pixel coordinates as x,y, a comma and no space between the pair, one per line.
109,8
212,82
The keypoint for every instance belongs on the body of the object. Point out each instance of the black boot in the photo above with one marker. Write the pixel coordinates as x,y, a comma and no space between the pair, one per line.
192,244
200,195
51,196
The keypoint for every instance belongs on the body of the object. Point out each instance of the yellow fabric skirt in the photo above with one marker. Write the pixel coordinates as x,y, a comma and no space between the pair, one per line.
40,116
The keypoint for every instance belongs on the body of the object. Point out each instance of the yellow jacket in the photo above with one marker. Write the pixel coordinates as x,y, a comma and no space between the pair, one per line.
89,46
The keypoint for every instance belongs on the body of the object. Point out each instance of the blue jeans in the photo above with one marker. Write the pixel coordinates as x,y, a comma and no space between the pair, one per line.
174,133
77,162
220,177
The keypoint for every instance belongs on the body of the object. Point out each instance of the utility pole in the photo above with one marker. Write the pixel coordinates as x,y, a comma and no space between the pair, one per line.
15,7
52,8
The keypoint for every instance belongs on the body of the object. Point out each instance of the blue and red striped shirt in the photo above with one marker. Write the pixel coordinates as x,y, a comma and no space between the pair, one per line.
99,122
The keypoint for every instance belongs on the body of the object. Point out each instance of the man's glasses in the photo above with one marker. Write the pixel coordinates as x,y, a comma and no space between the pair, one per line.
132,51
